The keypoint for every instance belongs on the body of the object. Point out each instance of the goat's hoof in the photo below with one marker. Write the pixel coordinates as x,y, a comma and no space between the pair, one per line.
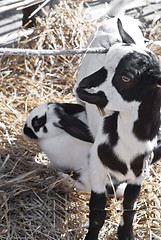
91,235
125,233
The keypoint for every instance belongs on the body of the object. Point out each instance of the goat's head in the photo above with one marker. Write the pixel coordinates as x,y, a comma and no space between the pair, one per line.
129,73
42,122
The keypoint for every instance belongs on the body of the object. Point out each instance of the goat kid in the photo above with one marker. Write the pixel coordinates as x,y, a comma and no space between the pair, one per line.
127,91
60,130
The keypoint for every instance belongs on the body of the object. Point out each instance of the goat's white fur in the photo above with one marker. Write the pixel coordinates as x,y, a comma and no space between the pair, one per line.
128,146
105,36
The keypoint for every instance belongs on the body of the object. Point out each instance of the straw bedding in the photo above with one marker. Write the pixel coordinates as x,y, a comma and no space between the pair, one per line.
36,202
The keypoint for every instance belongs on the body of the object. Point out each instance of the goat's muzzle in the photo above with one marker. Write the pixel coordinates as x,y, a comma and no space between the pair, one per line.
158,80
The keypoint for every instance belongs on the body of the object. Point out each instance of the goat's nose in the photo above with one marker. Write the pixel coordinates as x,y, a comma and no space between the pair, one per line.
158,80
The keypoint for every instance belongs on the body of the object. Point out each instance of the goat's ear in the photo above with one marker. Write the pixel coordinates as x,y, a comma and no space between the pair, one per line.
98,98
94,80
126,38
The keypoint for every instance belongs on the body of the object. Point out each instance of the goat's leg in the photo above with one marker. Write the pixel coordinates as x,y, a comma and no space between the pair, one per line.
97,215
157,154
125,230
97,203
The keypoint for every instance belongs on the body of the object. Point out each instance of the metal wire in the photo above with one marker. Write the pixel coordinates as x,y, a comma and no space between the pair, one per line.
31,52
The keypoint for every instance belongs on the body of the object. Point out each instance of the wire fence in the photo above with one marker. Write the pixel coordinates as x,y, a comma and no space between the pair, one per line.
43,52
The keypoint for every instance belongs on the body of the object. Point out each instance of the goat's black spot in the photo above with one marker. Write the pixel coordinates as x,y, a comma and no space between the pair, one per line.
142,69
146,127
105,152
110,160
37,122
110,127
110,123
137,165
45,129
28,132
95,79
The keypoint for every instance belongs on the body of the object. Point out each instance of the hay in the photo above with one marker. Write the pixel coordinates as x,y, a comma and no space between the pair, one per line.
34,201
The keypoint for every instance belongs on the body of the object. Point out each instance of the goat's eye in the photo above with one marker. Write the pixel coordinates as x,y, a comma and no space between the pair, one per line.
126,79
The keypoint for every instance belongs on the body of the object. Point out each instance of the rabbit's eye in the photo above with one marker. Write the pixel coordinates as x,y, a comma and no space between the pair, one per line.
37,123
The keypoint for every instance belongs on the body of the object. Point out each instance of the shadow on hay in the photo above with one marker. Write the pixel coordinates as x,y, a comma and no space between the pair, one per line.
33,197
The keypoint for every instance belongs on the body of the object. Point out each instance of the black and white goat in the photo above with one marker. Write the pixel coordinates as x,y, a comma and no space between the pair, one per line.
60,130
124,84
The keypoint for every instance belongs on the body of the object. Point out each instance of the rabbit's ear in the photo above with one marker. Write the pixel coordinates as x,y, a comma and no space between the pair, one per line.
126,38
73,126
71,108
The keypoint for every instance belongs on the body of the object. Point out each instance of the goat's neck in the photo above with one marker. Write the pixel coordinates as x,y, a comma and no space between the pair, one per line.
125,124
142,122
131,145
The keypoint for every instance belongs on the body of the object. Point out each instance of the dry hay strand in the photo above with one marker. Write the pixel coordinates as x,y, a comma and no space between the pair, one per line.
45,77
35,202
153,30
153,33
